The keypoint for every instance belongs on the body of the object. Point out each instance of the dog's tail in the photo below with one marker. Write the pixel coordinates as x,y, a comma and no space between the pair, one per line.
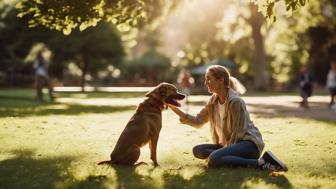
108,162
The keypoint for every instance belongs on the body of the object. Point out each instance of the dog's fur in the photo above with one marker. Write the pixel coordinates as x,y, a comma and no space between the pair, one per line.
144,127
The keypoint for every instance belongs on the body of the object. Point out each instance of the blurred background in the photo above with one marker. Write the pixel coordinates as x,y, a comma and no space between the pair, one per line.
264,55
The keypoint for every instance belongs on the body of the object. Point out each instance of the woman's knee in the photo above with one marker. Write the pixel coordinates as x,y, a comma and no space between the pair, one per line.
214,160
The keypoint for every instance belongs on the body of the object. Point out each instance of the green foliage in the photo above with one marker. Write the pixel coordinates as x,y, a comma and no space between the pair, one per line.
64,15
12,47
268,7
100,46
304,38
151,68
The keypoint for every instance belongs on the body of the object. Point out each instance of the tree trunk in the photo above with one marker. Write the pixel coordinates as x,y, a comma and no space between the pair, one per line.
259,64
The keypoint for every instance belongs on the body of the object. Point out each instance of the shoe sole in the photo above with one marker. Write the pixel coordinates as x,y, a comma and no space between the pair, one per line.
282,165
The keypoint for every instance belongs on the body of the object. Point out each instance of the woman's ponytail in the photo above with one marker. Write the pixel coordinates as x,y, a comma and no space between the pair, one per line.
237,86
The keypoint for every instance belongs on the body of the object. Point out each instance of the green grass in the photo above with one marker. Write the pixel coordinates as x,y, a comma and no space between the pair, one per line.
57,145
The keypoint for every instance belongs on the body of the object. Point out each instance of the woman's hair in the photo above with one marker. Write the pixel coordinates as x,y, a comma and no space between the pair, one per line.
221,72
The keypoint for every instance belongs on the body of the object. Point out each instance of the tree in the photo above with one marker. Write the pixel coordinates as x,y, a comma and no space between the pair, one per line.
64,15
231,30
16,40
306,38
92,50
259,64
154,65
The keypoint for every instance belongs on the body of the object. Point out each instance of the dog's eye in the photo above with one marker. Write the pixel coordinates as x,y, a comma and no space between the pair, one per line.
163,91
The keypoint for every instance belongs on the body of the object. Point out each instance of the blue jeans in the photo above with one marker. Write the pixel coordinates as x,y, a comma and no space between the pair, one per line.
242,154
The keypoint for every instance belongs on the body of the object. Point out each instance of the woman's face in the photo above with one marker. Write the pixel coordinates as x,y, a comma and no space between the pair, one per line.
212,83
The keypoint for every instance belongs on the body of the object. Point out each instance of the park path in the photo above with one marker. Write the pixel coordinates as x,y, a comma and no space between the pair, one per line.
264,106
289,106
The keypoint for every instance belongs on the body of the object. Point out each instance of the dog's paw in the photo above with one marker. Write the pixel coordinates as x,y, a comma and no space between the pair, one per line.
140,163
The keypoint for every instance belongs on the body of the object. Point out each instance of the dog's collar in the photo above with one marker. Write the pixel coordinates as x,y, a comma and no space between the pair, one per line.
156,103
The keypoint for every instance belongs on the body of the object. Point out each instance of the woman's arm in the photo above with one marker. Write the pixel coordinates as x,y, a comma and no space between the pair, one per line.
195,121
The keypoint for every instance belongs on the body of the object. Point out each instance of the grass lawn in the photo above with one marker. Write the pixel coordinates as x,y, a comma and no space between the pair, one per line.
57,145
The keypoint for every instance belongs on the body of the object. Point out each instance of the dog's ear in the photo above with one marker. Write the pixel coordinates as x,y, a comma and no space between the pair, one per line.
154,92
160,91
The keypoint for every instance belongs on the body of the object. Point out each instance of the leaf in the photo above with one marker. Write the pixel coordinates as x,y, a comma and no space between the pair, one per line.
293,5
302,2
19,5
66,31
270,10
21,14
83,26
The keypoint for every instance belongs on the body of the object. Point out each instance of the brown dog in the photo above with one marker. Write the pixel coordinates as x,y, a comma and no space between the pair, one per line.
144,127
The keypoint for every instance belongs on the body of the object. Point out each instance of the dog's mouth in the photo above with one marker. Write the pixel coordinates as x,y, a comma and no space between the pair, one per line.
173,99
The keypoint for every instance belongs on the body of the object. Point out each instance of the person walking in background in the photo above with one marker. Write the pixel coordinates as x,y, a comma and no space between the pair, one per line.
306,86
42,79
185,82
331,82
237,142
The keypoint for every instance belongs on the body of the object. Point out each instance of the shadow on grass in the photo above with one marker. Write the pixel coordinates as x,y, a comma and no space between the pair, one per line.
60,109
127,177
30,94
226,178
25,171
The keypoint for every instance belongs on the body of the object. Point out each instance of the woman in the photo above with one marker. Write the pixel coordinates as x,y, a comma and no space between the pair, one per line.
236,141
331,82
306,86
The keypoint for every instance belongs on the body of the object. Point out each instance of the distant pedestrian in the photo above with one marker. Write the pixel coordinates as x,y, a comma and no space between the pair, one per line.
185,82
331,82
306,86
42,79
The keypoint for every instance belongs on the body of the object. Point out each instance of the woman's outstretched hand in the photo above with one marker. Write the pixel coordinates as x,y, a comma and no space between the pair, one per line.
177,110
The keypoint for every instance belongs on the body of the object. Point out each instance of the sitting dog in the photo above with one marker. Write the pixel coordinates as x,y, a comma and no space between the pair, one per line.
144,127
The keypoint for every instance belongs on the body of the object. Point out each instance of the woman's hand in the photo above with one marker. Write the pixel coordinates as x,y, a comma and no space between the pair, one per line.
177,110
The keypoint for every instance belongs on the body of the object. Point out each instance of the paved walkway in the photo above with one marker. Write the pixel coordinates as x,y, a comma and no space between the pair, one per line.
103,89
264,106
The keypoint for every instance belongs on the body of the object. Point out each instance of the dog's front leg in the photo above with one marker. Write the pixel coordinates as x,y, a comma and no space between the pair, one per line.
152,146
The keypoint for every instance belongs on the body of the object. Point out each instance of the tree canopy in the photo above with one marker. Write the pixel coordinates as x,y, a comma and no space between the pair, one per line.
64,15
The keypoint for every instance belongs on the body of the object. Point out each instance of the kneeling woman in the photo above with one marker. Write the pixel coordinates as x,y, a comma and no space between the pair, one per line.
236,141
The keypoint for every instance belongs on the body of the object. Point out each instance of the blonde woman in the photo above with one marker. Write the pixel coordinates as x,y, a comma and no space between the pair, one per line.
236,141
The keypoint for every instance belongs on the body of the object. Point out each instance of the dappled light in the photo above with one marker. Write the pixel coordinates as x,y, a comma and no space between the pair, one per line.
76,136
74,74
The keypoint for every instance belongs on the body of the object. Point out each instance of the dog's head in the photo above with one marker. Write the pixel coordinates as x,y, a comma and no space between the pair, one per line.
167,93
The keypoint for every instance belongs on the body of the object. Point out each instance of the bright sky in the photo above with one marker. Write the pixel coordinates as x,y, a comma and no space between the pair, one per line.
178,26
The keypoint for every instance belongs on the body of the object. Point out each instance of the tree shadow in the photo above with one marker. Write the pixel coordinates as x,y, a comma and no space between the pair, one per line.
226,178
127,177
59,109
23,170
